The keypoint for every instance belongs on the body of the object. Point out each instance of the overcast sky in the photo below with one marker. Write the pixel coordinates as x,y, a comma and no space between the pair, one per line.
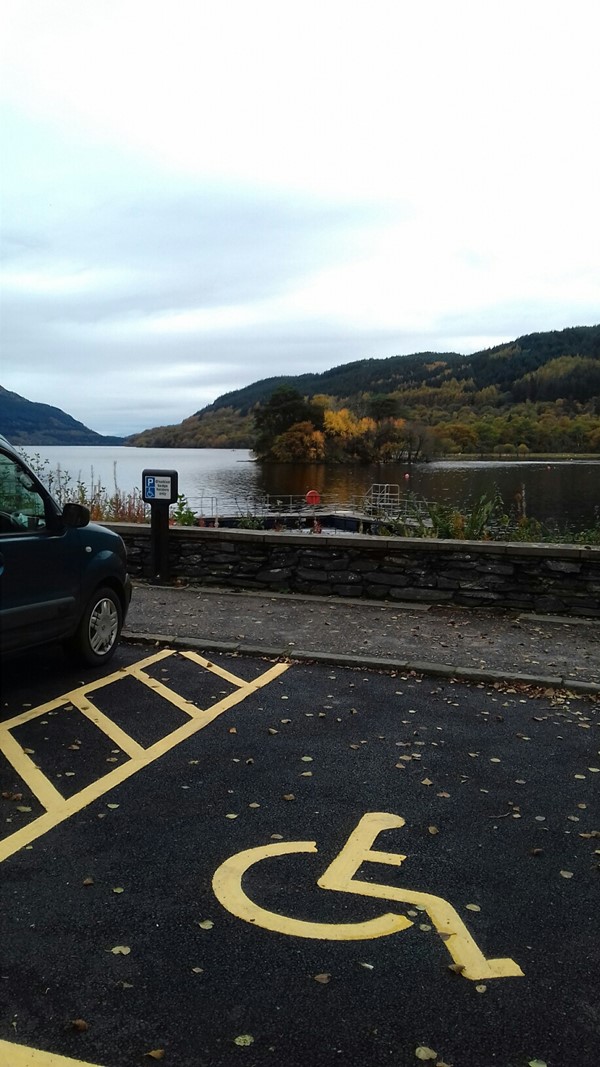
200,193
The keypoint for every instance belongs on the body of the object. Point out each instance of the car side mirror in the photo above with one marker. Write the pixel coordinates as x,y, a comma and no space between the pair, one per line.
75,515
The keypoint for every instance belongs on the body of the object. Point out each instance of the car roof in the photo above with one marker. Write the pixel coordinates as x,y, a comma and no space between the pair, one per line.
7,445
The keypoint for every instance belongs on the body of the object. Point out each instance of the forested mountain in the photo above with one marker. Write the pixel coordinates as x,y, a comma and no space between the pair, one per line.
24,422
539,393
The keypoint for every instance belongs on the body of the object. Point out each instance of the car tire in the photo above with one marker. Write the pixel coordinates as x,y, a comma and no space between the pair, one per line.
97,635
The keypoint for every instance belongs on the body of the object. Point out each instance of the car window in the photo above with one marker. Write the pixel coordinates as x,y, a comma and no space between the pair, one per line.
22,507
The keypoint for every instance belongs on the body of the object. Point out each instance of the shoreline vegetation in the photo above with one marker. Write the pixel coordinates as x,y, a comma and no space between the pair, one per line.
486,518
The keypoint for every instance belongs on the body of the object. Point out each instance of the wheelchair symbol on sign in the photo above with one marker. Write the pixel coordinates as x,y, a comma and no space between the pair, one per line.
340,877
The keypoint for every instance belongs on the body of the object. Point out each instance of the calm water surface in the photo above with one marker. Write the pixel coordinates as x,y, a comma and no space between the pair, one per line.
228,480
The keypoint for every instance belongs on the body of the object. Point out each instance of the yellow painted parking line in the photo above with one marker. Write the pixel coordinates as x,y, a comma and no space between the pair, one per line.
65,808
40,786
214,668
90,687
22,1056
131,747
163,690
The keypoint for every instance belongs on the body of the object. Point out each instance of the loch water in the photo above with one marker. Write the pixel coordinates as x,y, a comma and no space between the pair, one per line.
230,481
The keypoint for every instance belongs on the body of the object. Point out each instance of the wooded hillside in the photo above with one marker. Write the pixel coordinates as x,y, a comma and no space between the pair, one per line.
540,393
25,422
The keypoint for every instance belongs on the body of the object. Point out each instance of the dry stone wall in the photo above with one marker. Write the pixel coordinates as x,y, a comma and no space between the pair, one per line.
554,579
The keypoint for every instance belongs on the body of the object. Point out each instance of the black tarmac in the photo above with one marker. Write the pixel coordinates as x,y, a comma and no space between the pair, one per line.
496,780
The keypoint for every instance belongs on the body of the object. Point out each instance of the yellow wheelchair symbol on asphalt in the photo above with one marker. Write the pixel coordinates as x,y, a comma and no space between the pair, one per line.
340,877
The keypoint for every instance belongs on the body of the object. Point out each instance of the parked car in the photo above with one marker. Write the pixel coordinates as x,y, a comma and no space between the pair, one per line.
62,577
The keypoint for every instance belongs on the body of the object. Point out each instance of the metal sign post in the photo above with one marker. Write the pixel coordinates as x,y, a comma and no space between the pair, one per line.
159,489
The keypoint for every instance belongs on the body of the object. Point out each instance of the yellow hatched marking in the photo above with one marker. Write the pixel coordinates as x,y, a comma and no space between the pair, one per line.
35,713
107,725
40,786
163,690
23,1056
66,698
92,792
214,668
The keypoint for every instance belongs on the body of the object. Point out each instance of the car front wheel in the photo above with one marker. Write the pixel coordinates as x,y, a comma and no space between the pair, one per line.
98,631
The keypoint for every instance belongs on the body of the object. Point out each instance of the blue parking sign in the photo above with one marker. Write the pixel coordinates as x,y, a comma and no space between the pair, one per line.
159,487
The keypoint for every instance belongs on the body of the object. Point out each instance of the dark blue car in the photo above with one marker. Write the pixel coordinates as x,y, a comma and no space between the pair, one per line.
62,578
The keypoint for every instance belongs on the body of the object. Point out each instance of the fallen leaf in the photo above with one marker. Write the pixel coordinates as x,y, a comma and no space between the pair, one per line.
369,966
80,1025
276,837
112,806
433,829
322,978
472,907
426,781
120,950
306,759
289,796
206,924
566,874
197,970
23,807
231,815
88,881
481,988
424,1053
232,730
118,889
243,1039
443,794
156,1054
272,731
456,968
254,805
537,1063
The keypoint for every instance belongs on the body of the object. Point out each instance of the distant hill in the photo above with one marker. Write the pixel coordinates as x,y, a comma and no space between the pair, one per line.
560,368
24,422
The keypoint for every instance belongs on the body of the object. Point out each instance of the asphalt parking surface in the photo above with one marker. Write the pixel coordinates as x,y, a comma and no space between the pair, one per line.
467,814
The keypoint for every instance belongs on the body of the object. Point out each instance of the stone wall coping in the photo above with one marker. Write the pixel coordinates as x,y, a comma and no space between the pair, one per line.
403,545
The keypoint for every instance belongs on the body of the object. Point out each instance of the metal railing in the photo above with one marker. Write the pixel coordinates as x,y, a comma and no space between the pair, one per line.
380,500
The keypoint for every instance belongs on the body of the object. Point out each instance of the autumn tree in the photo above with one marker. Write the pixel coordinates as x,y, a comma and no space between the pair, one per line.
284,408
300,444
